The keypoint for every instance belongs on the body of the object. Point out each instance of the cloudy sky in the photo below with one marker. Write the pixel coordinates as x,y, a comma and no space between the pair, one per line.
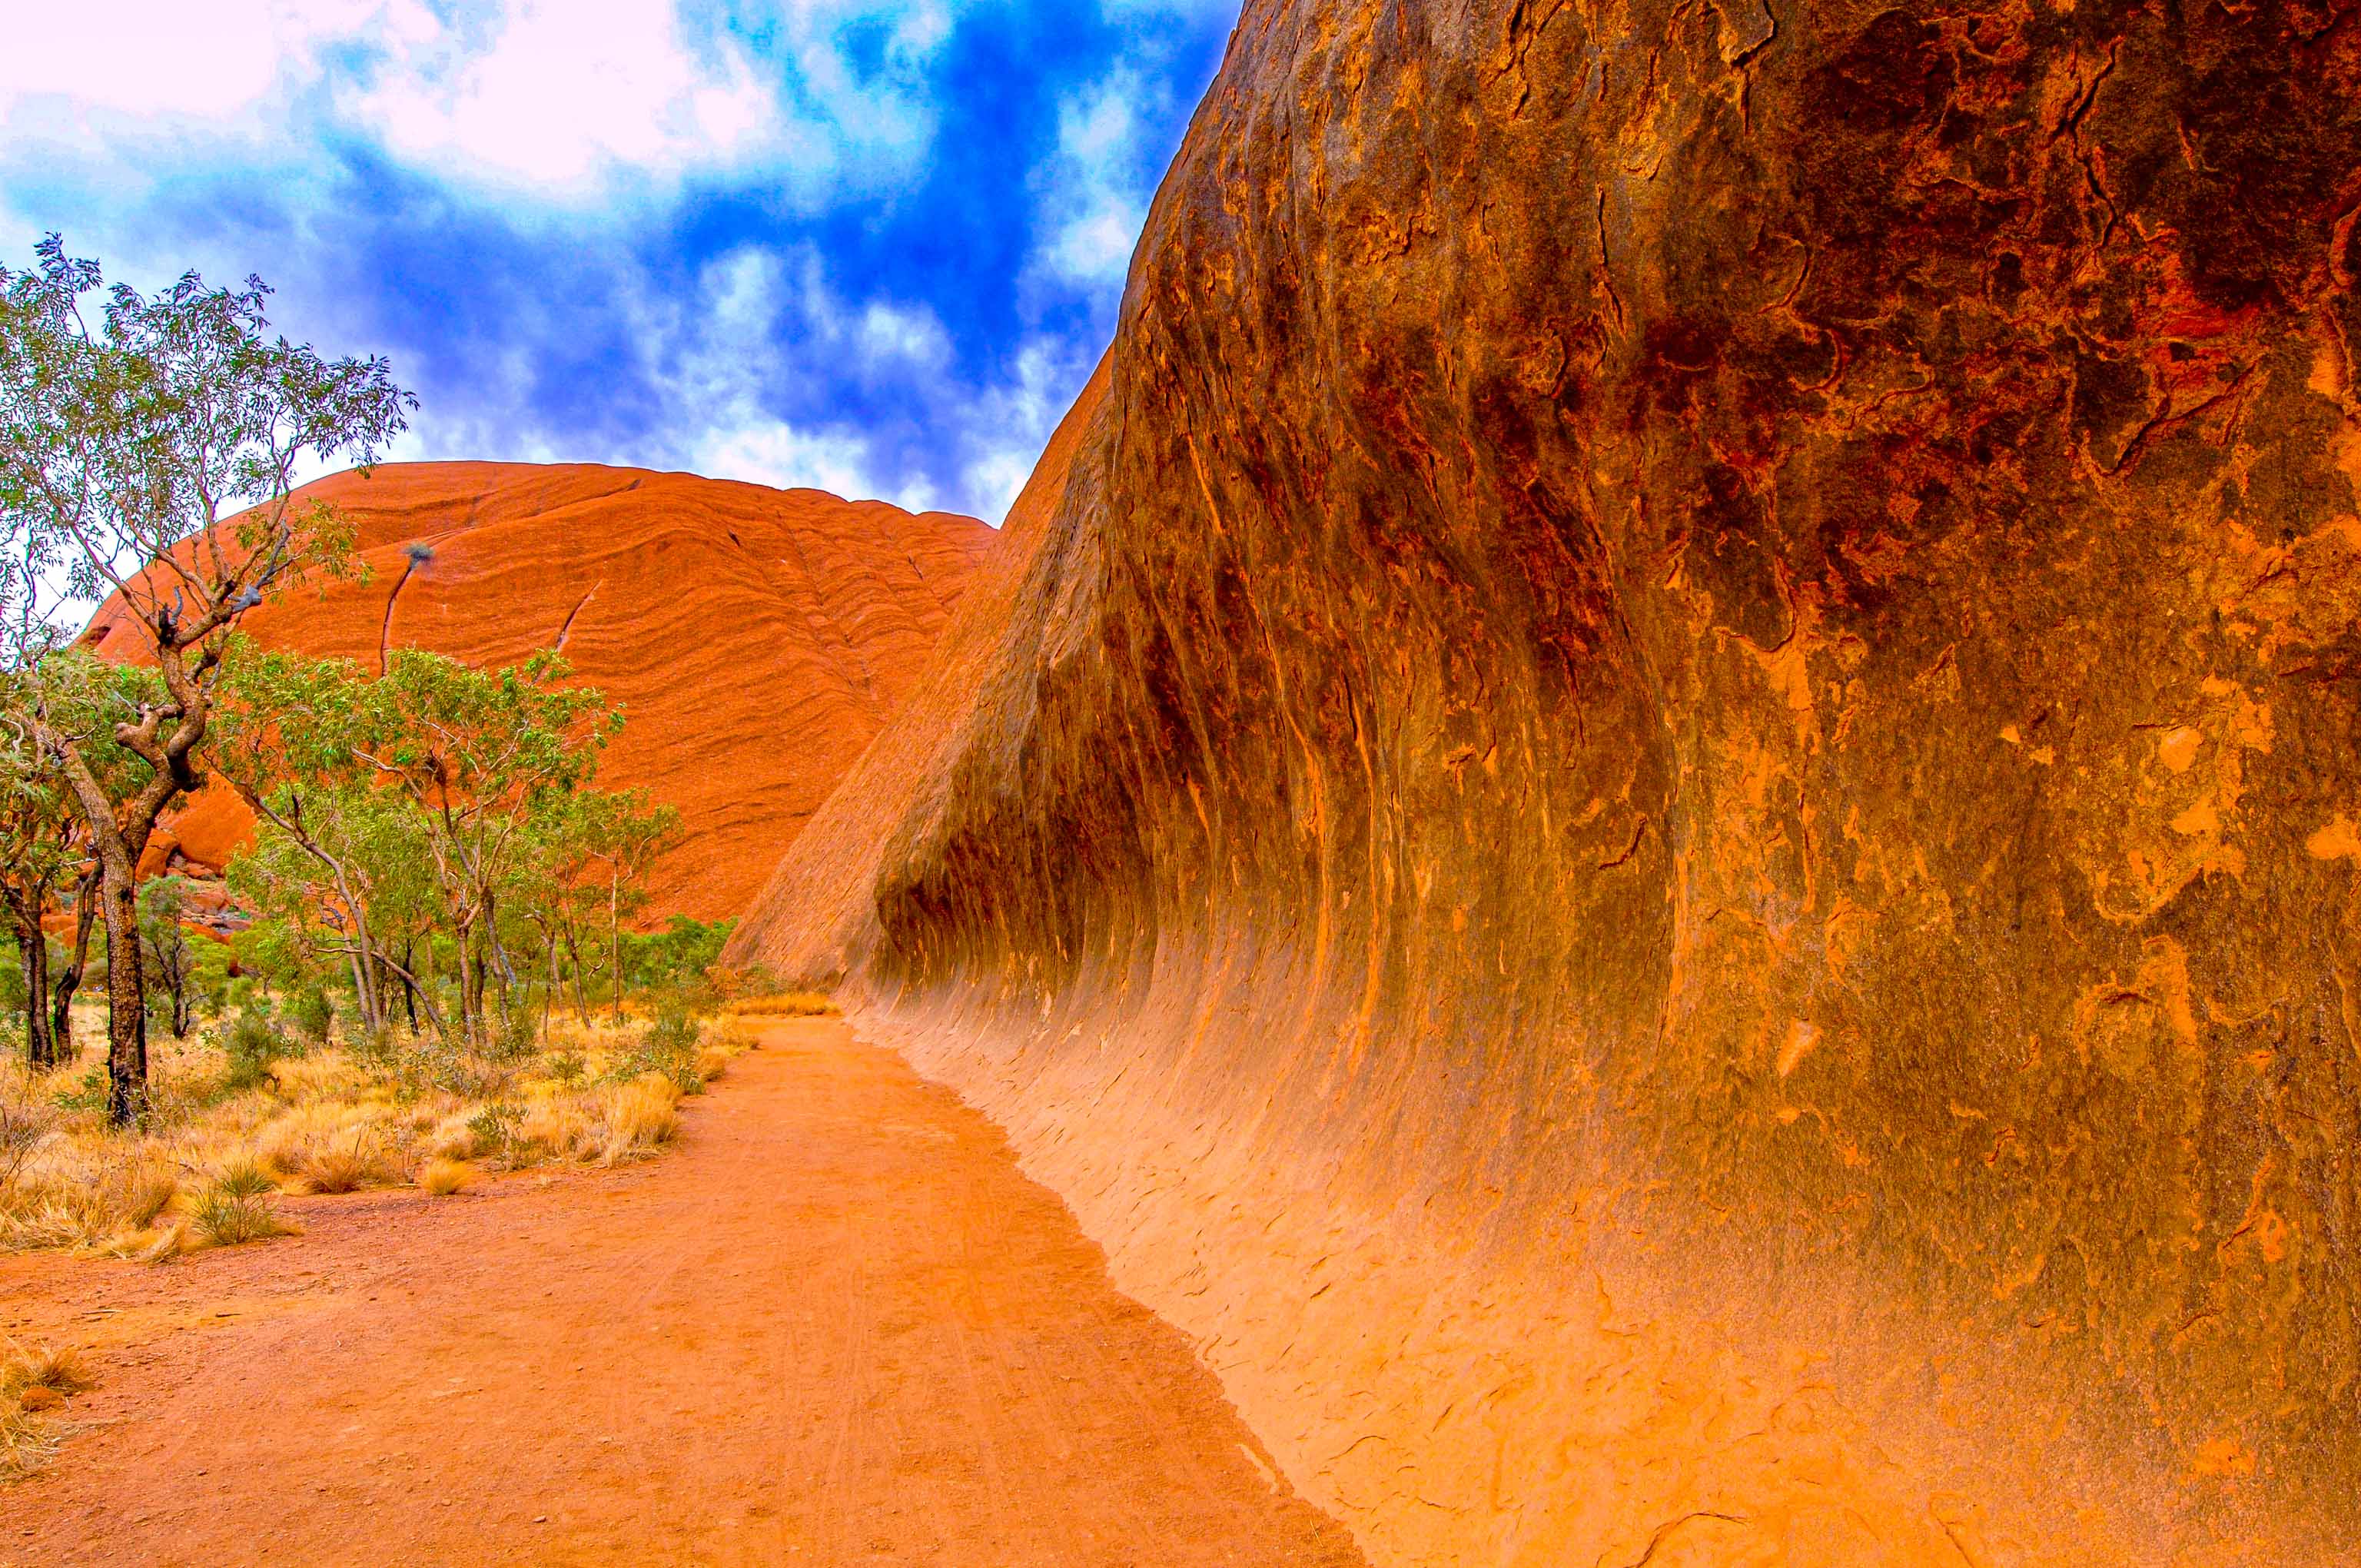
869,245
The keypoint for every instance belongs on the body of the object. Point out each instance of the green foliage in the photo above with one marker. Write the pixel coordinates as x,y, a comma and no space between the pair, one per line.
493,1126
439,821
675,959
151,454
168,954
311,1015
567,1067
232,1219
245,1178
519,1033
126,434
88,1093
668,1045
254,1042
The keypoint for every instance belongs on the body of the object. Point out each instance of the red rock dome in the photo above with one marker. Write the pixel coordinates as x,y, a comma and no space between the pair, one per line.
757,638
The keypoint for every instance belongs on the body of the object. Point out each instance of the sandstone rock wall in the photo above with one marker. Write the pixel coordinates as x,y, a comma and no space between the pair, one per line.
758,639
1662,817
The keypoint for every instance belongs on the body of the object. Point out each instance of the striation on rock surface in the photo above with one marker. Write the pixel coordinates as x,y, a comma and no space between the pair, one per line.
758,639
1656,807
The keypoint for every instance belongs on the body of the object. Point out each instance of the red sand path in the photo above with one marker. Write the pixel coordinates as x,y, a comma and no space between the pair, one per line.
835,1326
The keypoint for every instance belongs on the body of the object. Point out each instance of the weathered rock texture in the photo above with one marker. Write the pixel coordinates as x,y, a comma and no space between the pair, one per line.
758,639
1659,806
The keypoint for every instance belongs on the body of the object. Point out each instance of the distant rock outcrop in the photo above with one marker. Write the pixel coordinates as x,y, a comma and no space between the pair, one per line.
757,638
1656,807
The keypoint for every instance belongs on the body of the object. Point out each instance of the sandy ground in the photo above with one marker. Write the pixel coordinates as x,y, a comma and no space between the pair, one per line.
835,1326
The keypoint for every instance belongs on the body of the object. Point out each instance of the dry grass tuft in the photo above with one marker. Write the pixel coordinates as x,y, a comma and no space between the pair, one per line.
61,1369
244,1176
788,1004
221,1218
27,1442
339,1170
639,1115
444,1177
82,1201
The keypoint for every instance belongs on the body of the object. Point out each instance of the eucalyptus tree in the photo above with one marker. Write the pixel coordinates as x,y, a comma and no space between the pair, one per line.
165,948
39,850
483,756
591,852
151,454
340,859
44,845
434,801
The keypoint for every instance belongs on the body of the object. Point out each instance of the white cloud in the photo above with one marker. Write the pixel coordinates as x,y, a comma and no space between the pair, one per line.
1009,424
1092,193
170,57
557,100
721,355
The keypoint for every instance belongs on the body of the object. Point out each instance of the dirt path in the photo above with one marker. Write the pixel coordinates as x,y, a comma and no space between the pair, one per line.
835,1327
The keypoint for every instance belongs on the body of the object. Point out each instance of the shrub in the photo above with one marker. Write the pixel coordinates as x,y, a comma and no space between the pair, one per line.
519,1036
244,1178
566,1067
378,1048
311,1015
227,1219
492,1127
469,1078
667,1049
254,1042
89,1094
444,1177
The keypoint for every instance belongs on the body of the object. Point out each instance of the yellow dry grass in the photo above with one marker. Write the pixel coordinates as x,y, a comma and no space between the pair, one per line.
60,1368
788,1004
27,1442
636,1116
206,1167
444,1177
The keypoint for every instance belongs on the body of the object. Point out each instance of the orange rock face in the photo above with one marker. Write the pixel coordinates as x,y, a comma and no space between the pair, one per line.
1656,807
756,638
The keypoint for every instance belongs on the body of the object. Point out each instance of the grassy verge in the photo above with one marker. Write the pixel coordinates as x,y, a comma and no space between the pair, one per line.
245,1112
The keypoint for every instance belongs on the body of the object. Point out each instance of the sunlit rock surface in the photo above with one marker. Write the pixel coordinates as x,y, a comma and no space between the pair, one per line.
757,639
1658,806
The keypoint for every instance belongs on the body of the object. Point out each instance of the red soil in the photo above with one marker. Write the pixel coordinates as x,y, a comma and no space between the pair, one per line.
757,638
835,1326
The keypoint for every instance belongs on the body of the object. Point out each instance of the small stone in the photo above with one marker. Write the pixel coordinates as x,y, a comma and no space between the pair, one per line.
40,1397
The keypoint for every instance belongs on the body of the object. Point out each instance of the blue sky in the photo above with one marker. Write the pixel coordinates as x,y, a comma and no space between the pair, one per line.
867,245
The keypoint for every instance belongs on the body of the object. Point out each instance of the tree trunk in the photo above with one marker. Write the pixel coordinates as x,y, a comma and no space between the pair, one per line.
573,955
182,1004
33,951
118,838
77,963
127,997
615,936
409,992
471,989
362,996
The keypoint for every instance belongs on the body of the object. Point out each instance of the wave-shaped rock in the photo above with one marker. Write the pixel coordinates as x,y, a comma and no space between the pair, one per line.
1657,807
